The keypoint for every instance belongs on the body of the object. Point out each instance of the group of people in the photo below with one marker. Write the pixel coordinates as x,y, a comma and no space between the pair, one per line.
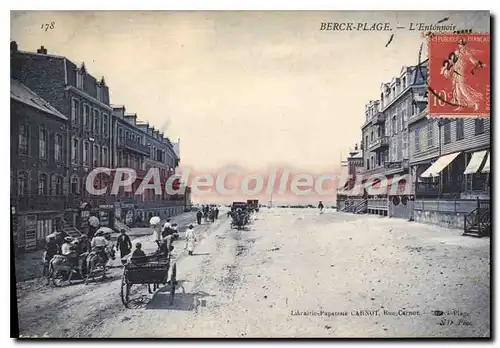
60,243
208,212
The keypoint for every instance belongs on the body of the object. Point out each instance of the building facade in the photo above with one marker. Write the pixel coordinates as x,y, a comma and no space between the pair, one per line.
38,153
74,92
142,147
450,157
94,134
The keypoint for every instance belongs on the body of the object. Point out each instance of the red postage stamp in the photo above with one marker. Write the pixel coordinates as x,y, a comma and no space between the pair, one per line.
459,75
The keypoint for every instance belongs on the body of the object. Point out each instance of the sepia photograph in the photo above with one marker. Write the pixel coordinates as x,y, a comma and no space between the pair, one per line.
250,174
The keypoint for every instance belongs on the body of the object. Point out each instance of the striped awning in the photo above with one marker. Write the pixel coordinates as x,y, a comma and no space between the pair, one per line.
486,168
438,166
475,162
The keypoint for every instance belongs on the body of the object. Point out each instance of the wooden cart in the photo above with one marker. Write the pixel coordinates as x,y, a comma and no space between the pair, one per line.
150,270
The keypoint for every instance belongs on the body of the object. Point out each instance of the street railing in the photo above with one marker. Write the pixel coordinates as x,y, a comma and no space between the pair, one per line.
449,206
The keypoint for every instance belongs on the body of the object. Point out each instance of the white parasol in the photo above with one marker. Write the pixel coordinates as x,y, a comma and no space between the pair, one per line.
155,220
104,230
93,221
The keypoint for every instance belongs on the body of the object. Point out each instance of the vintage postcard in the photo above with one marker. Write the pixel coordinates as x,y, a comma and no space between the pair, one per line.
248,174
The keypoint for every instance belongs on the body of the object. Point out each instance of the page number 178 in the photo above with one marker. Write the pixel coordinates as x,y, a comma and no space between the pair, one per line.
48,26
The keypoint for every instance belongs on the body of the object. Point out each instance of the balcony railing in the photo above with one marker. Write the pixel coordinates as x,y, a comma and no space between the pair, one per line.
381,142
132,145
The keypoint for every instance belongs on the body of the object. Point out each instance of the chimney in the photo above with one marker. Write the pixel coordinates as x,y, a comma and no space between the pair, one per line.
13,47
41,50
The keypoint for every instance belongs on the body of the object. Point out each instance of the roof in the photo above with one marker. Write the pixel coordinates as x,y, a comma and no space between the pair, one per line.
24,95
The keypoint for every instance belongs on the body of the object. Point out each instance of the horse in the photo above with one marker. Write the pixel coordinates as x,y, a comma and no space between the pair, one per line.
94,260
60,265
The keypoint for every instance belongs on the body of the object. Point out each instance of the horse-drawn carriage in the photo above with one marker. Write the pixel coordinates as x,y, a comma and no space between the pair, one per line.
148,270
86,262
239,214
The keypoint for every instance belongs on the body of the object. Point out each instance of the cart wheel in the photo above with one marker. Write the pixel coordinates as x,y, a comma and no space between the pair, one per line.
173,282
125,290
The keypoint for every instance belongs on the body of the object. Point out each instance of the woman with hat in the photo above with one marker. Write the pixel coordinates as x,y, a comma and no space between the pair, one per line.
68,250
190,239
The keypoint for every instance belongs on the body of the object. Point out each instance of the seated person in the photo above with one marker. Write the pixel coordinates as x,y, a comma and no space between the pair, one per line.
138,255
68,250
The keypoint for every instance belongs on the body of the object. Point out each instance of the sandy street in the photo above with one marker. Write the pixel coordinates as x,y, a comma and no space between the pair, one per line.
292,273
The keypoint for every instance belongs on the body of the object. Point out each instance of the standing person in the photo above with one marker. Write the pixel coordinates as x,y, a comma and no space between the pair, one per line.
321,207
190,239
199,215
124,245
216,213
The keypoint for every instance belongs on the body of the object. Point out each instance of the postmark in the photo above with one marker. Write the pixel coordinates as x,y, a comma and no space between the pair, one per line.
459,75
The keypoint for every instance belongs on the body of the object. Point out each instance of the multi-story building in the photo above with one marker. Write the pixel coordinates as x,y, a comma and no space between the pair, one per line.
450,157
38,166
141,147
74,92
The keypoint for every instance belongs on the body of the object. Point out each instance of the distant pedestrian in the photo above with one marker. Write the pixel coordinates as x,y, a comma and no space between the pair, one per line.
199,215
216,211
321,207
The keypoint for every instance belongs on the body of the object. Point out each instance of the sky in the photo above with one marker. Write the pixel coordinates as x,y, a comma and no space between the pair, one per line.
245,88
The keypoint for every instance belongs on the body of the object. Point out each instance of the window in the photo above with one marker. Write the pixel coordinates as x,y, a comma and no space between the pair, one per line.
86,153
59,186
104,159
371,136
430,134
479,126
379,132
133,137
74,187
404,82
58,143
74,151
366,143
394,125
120,134
368,163
42,184
417,139
96,122
42,149
22,183
447,132
74,110
99,92
105,125
86,116
23,140
459,124
95,153
79,79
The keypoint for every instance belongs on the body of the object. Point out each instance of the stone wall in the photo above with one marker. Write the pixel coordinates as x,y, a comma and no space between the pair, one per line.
444,219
